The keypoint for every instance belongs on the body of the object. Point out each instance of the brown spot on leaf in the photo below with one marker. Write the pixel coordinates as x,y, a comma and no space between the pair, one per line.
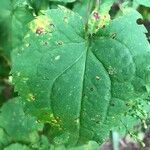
113,35
39,30
96,15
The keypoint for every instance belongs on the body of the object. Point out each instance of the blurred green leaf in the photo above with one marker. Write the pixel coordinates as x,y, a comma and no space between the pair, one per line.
17,146
142,2
38,5
14,15
18,125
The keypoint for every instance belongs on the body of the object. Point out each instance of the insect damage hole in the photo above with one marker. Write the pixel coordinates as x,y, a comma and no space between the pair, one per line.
139,21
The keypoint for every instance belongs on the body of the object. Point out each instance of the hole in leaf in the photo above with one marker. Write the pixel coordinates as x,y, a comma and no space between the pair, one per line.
139,21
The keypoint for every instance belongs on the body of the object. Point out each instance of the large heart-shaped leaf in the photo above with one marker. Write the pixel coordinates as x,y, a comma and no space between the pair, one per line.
82,86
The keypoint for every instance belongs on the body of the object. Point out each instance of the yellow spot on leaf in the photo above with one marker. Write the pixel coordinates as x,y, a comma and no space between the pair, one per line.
97,21
65,19
31,97
42,22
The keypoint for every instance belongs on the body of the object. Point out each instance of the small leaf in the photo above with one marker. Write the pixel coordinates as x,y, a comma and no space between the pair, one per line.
17,125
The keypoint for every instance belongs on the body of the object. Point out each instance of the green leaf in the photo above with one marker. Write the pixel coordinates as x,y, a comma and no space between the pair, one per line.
105,5
38,5
65,1
95,13
17,146
16,124
142,2
85,8
4,138
91,145
14,15
81,86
